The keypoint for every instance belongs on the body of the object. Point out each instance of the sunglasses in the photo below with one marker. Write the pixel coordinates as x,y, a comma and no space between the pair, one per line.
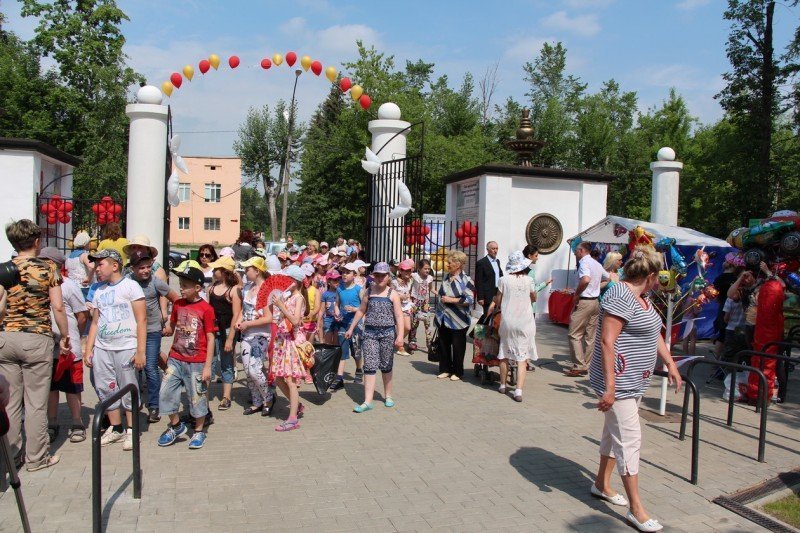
205,255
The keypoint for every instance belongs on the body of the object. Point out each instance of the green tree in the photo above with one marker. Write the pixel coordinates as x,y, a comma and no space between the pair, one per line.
255,215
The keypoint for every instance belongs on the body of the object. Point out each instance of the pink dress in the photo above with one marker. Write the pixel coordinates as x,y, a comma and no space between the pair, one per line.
285,362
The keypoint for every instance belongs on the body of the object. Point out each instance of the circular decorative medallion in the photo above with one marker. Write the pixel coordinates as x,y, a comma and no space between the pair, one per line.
544,231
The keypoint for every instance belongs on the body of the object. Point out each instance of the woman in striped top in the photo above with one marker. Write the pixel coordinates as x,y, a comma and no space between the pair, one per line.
456,298
624,358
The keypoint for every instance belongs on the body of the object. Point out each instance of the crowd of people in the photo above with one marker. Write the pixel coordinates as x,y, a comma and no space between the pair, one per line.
108,309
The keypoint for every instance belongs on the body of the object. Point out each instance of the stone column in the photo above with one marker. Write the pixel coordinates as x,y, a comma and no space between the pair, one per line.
389,135
666,187
147,155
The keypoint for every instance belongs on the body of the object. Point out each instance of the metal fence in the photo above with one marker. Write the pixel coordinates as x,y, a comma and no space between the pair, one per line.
81,217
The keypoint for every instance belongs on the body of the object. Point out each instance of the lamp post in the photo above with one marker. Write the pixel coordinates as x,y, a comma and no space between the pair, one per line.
287,161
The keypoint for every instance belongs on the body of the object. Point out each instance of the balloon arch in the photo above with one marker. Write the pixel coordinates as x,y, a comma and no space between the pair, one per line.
345,84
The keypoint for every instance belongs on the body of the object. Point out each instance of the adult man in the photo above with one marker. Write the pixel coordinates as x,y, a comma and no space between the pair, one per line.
487,276
583,321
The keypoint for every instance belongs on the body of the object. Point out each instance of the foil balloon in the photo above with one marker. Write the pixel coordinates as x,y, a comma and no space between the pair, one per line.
176,79
305,62
677,260
372,163
167,88
175,143
188,71
204,65
213,59
664,244
277,59
793,282
330,73
172,190
181,164
291,58
356,91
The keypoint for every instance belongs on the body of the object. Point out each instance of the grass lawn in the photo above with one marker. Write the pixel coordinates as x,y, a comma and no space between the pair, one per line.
786,509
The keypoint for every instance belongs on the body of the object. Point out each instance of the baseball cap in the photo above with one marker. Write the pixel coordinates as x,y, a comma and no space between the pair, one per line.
393,262
195,275
223,262
139,255
359,263
295,272
323,243
307,269
186,264
274,265
351,266
283,256
255,262
108,253
381,268
53,254
333,274
341,253
322,260
227,252
406,264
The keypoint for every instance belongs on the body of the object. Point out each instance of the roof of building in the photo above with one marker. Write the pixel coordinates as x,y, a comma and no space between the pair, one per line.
11,143
543,172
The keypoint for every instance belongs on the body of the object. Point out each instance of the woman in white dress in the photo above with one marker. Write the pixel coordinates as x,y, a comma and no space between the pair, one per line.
517,331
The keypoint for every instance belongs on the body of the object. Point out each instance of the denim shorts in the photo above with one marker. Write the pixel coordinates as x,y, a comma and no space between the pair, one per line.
180,374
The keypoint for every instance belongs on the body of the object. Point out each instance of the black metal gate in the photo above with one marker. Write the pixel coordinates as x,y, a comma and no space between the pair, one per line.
60,223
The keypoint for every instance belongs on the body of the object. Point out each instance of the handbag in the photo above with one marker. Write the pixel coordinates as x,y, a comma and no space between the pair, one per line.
306,352
434,349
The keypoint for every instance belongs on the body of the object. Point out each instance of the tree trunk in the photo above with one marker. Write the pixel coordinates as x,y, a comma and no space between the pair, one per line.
767,108
269,194
279,192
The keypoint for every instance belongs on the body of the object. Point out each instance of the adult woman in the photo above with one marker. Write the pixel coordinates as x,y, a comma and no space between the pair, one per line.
224,297
517,325
26,343
612,263
112,238
205,256
311,253
623,361
243,247
532,252
142,242
456,298
79,268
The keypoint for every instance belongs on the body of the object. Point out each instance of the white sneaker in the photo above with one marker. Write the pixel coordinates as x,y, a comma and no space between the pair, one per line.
111,436
127,444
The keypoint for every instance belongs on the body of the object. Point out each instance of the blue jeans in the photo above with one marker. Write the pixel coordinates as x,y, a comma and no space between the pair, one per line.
222,364
152,373
188,376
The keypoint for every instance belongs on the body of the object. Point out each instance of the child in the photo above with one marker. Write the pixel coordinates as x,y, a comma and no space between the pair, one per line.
287,312
115,348
67,376
254,325
383,332
226,299
421,310
402,286
314,304
349,301
189,363
330,314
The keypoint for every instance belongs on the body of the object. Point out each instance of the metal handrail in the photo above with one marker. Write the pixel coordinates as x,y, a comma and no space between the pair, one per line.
102,407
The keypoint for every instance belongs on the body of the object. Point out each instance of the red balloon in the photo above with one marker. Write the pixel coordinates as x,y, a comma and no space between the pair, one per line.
204,66
63,218
426,230
290,58
51,219
459,233
117,209
68,206
410,240
316,67
474,232
43,209
266,63
473,240
465,242
106,199
233,61
421,239
345,84
56,203
365,101
95,208
51,208
176,79
467,225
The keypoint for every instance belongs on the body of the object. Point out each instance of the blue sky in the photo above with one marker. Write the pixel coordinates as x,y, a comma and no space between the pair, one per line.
648,46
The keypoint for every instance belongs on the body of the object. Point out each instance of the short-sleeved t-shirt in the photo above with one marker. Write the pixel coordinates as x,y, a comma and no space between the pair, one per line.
116,327
153,289
736,311
636,347
328,302
349,297
28,304
590,267
118,245
192,321
73,303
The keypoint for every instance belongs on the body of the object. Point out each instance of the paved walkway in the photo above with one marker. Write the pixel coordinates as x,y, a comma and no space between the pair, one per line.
449,456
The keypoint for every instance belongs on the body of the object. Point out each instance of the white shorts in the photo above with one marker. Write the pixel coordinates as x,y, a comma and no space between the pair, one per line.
622,435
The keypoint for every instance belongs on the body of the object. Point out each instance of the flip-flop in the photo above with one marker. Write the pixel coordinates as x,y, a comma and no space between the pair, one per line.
362,408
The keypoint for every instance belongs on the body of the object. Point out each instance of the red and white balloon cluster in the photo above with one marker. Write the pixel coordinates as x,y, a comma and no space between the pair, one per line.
106,210
356,91
57,210
467,234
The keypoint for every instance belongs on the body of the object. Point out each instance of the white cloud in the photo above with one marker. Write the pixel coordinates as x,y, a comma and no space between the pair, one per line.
293,26
688,5
680,76
341,39
588,4
526,48
582,25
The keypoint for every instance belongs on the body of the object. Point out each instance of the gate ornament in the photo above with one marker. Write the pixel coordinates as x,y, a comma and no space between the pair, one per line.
57,210
106,210
544,231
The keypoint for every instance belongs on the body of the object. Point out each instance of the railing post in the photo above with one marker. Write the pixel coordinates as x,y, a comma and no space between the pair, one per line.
137,469
695,432
731,397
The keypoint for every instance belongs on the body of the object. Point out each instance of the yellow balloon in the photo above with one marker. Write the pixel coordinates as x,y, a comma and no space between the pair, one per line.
188,71
330,73
356,91
167,87
277,59
214,60
306,62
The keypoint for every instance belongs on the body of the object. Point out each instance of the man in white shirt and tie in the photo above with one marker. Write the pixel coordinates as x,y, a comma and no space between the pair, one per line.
586,308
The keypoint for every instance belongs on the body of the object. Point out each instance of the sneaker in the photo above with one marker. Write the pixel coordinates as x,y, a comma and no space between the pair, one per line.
127,444
197,441
111,436
336,385
171,434
153,415
359,376
224,404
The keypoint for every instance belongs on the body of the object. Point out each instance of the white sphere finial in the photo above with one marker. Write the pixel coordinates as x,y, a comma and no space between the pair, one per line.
148,94
389,111
666,154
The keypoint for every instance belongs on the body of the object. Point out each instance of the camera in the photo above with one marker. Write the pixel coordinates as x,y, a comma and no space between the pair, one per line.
9,275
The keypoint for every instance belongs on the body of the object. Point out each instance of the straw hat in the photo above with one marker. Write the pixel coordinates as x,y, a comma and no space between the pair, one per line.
140,240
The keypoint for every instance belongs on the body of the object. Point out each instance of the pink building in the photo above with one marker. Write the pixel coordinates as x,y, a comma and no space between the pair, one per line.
210,206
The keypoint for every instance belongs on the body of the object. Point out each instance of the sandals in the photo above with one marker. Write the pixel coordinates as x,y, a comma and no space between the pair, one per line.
52,432
77,434
224,404
253,409
51,460
287,426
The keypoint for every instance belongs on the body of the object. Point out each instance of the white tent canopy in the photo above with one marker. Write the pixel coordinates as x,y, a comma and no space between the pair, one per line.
614,230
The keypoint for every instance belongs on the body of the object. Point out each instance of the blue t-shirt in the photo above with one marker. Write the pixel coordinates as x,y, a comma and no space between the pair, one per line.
328,301
349,297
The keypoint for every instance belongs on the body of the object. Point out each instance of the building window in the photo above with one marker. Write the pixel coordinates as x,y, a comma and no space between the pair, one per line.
213,192
184,192
183,222
211,224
